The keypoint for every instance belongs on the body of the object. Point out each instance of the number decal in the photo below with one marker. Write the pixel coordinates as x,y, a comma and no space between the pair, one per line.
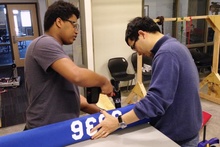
77,129
116,113
89,125
101,117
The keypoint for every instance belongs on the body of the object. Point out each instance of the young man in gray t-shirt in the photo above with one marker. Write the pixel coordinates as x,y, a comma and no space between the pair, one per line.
51,77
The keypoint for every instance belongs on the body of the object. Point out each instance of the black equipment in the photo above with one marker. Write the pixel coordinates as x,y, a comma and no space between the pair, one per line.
92,94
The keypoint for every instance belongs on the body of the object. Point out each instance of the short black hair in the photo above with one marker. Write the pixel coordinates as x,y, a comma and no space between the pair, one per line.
61,9
140,23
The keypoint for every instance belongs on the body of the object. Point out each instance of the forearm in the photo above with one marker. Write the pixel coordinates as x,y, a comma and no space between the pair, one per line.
77,75
111,123
130,117
90,109
86,107
87,78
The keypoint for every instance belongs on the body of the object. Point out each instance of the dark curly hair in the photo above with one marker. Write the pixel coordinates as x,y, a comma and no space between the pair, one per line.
61,9
140,23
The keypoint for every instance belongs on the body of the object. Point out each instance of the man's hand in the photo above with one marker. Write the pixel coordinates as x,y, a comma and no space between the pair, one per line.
107,126
107,89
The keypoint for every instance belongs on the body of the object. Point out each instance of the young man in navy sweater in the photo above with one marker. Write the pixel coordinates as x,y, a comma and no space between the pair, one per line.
172,102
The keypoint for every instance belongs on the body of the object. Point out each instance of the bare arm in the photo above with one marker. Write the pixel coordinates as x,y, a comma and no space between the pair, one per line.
110,124
81,76
86,107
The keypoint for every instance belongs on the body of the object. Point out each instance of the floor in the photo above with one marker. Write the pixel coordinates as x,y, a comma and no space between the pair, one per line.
13,102
212,130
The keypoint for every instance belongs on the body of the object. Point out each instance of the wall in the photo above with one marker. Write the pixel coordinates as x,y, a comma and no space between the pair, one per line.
110,19
42,8
161,8
87,37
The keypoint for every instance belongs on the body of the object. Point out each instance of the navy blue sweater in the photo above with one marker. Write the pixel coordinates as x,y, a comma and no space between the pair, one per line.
172,101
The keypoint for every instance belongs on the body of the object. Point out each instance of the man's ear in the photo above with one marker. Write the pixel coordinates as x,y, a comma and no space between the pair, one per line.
142,33
58,22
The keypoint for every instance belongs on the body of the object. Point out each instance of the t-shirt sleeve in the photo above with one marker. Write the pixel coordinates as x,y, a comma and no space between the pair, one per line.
47,51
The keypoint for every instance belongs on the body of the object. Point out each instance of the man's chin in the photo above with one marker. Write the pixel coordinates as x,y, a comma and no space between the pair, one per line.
68,43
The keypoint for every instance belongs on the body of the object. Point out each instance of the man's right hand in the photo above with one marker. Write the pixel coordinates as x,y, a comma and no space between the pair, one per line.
107,89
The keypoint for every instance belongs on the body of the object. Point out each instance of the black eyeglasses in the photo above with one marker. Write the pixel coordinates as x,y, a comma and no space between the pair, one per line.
133,46
75,24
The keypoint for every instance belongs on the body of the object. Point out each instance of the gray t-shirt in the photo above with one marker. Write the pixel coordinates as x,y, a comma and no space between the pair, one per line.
51,97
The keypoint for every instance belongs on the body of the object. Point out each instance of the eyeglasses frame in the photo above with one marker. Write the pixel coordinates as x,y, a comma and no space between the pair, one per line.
133,46
75,24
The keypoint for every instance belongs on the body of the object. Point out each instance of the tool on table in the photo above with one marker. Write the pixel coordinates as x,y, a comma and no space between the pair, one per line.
208,143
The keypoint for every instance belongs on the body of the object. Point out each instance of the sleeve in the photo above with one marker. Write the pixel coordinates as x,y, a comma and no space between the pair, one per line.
47,51
162,89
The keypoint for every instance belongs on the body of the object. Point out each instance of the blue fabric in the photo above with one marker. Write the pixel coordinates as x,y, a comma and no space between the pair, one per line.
172,101
62,133
191,143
